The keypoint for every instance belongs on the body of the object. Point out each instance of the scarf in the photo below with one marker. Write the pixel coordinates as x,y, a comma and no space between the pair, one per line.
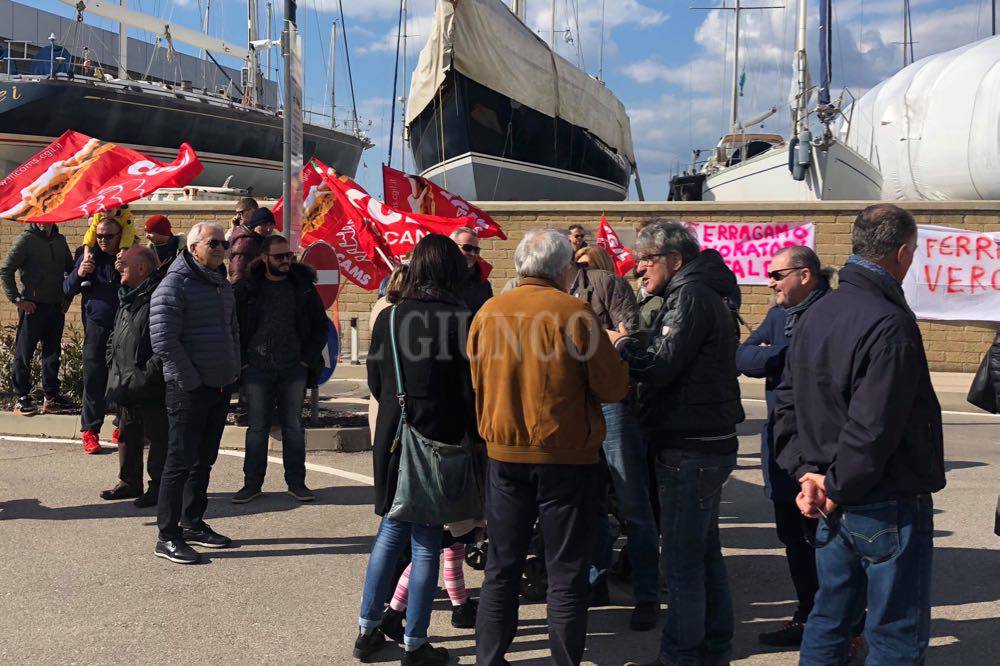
793,313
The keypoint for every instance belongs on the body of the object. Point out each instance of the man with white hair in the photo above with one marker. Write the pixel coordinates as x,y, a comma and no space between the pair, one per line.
541,367
194,331
476,289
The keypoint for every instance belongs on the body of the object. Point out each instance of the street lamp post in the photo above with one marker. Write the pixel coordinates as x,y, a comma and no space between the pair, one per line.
52,55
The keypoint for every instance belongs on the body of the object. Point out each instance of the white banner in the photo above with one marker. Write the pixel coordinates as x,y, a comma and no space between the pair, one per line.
749,247
955,275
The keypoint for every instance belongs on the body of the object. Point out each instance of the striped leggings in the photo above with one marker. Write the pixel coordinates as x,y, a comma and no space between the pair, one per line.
454,579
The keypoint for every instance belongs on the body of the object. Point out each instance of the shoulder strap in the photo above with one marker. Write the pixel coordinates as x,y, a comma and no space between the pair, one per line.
400,389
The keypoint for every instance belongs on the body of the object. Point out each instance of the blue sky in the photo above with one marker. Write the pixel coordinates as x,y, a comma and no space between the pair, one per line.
668,63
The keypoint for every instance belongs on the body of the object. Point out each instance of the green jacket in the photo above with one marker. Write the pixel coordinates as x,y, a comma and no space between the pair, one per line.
43,262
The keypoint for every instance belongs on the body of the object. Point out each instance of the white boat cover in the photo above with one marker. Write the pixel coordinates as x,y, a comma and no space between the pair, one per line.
483,40
933,129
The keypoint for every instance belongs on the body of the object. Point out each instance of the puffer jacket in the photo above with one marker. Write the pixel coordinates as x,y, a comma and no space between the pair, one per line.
42,260
192,324
609,296
135,374
686,369
310,316
244,247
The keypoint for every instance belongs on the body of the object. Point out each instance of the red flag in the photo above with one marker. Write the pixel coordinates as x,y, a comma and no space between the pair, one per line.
621,255
76,176
414,194
330,215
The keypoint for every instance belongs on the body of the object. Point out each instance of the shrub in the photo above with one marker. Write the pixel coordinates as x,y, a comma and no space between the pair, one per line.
70,369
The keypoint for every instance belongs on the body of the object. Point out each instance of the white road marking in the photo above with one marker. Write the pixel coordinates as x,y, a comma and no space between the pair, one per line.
332,471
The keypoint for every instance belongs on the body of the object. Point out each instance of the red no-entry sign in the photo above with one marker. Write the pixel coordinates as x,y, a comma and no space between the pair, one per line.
321,256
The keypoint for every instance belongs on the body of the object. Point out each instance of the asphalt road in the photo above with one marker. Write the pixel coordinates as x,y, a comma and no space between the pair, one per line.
79,583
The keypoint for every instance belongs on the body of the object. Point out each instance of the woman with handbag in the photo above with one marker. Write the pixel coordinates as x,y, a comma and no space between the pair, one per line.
985,394
424,455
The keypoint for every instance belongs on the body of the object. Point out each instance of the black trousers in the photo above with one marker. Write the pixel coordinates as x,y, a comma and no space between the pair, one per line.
44,326
196,420
142,425
562,498
800,555
95,376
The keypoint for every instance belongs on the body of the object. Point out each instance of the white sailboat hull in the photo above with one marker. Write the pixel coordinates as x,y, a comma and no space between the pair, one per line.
837,173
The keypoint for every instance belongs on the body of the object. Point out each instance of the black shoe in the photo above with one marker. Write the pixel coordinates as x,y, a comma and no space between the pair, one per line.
246,494
368,644
599,594
644,616
206,537
464,616
425,655
56,403
790,635
177,551
147,499
120,492
301,493
25,406
392,624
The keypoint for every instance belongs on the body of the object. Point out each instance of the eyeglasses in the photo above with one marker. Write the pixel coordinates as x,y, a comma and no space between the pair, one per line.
474,249
106,236
283,256
215,242
782,273
648,259
244,210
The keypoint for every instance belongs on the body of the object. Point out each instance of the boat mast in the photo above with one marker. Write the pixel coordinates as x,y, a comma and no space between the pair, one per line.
518,7
552,26
122,47
735,99
403,96
801,70
825,52
600,66
333,74
270,35
204,25
907,35
253,64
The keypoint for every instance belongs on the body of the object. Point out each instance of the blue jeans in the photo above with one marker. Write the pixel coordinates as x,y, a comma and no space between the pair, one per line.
263,390
700,611
891,544
625,454
390,542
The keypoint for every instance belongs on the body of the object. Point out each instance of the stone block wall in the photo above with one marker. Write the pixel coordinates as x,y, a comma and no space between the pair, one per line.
950,347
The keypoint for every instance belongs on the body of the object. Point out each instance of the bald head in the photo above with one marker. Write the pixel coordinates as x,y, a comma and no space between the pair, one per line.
136,264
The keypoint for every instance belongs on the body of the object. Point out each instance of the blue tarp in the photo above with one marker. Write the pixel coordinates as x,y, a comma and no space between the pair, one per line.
43,63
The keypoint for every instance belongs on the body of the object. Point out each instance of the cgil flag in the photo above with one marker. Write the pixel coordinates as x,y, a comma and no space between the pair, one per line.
76,176
407,193
621,255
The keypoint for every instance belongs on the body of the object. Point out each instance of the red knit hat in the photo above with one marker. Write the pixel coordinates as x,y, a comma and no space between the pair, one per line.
158,224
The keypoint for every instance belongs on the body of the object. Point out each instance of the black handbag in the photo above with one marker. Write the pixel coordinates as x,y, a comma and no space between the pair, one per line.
983,392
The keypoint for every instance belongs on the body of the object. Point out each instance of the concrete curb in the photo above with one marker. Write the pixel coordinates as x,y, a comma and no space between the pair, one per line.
67,426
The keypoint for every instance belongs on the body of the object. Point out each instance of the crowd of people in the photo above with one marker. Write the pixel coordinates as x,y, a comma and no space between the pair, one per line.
567,388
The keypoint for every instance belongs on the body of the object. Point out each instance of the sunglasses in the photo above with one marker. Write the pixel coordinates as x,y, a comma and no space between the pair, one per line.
782,273
283,256
648,259
474,249
215,242
106,236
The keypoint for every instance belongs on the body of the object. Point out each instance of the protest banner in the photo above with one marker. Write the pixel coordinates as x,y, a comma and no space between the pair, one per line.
955,275
76,176
415,194
749,247
620,255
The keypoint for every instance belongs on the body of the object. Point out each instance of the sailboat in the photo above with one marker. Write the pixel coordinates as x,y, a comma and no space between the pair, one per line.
748,166
494,113
237,139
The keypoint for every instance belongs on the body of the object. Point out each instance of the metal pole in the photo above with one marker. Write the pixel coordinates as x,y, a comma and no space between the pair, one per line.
552,26
123,46
734,114
333,74
253,63
402,127
204,24
270,32
286,119
52,55
993,16
354,341
600,67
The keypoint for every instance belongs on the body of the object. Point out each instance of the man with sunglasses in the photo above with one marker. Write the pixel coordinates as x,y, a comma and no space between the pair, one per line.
283,330
194,332
857,422
798,281
95,276
476,289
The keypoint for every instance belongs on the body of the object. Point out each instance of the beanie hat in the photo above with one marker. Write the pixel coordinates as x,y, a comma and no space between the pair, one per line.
260,216
158,224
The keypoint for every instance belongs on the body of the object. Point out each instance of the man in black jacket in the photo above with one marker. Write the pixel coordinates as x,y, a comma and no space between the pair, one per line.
135,381
858,424
689,405
283,330
476,289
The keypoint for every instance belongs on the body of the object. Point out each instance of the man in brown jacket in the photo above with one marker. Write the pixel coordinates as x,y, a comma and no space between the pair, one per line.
541,367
